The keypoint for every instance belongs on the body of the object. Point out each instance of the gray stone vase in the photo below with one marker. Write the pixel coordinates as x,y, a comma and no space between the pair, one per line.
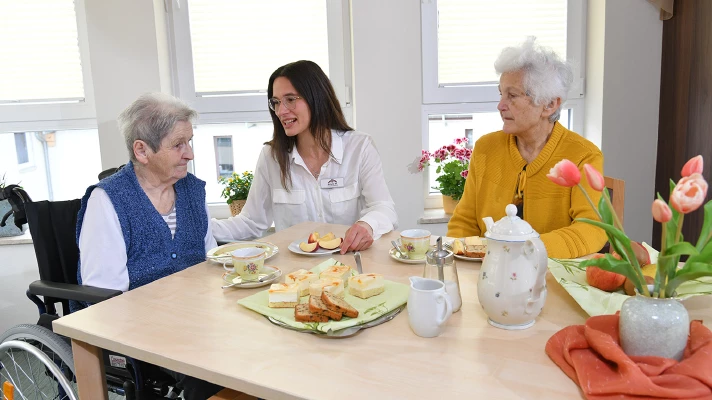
654,327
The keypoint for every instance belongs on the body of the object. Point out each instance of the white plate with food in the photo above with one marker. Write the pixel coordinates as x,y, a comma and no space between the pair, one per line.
471,248
270,273
394,255
303,247
221,254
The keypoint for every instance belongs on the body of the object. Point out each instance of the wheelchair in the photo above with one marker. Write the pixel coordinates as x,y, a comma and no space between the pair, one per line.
36,363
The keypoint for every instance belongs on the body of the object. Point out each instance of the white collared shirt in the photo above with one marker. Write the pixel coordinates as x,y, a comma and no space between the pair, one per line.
363,195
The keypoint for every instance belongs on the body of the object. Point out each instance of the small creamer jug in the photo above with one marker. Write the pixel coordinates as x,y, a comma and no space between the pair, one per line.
512,281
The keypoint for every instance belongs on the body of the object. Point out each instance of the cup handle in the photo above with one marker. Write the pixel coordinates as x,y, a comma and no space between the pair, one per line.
231,269
448,308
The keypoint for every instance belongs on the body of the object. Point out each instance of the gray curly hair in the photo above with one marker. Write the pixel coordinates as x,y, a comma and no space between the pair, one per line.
151,118
546,76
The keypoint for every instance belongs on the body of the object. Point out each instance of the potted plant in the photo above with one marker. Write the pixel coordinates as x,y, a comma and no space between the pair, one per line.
8,226
452,160
236,189
652,322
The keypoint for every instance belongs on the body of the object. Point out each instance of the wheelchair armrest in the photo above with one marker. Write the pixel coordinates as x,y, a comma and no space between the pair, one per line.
67,291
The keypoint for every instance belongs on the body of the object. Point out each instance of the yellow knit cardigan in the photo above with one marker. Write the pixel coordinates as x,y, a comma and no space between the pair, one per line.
550,209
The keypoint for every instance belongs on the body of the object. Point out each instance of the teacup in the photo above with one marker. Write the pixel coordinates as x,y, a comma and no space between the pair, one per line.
415,242
247,263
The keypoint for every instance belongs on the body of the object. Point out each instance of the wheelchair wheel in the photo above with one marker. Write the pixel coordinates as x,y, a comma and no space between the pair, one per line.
36,363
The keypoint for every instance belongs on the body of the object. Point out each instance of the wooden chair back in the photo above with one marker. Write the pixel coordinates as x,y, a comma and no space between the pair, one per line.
616,189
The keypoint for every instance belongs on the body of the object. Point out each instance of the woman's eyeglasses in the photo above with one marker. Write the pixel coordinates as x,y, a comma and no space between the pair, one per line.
289,101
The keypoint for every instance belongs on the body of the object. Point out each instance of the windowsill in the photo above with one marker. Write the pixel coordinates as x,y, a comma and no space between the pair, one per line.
25,238
434,216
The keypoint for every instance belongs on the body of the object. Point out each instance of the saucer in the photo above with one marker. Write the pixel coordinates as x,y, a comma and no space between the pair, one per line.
394,255
230,278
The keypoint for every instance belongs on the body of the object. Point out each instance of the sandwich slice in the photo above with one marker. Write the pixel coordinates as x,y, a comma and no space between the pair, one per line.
283,295
475,247
303,278
338,304
342,272
333,285
302,314
366,285
316,306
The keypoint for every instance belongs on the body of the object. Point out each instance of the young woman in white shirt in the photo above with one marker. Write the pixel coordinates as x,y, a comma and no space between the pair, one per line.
315,168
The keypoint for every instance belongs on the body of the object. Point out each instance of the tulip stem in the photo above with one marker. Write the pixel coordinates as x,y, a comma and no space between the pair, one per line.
616,221
663,274
590,202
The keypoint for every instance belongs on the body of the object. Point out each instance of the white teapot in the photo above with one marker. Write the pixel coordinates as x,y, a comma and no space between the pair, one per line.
512,284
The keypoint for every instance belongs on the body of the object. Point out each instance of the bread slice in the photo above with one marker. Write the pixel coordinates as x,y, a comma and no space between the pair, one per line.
316,306
302,314
338,304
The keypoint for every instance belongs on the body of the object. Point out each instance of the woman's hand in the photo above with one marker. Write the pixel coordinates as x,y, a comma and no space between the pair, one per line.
358,237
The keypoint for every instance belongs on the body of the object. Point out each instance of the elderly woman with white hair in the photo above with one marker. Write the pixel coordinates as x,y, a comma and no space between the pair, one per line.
149,219
510,166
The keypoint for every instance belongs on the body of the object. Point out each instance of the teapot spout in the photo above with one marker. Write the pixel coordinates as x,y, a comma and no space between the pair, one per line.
489,222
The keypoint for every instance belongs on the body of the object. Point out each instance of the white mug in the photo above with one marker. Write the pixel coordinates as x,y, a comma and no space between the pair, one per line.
429,306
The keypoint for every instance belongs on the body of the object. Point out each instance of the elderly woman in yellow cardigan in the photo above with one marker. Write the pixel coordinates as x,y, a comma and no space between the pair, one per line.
510,166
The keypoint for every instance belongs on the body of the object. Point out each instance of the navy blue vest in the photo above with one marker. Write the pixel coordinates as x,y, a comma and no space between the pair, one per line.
151,251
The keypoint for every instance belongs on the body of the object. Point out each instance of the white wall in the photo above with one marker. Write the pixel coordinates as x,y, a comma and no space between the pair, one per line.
388,96
623,98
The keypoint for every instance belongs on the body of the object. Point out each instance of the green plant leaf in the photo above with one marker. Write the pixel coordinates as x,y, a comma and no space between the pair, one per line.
606,213
689,272
706,232
682,248
704,256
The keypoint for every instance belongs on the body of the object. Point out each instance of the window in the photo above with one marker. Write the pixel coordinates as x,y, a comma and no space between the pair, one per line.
223,156
23,156
44,74
225,51
226,148
461,40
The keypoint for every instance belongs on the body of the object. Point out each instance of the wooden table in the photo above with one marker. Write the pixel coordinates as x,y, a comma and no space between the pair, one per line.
185,322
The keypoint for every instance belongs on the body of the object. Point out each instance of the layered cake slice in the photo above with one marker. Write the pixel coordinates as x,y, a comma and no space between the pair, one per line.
366,285
303,278
337,271
283,295
332,285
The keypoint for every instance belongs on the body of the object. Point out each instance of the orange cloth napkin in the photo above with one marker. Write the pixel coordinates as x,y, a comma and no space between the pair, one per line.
591,356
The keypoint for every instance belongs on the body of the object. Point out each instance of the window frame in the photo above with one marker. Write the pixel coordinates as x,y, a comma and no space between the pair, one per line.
434,93
57,115
251,106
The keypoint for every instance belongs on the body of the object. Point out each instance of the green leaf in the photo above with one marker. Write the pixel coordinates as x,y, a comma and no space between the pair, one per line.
689,272
604,210
609,263
704,256
706,232
671,226
682,248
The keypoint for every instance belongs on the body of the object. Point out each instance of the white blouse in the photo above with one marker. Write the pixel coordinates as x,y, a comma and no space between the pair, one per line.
102,250
351,187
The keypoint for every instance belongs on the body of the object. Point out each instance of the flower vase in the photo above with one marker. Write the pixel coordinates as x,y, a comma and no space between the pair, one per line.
654,327
236,206
449,204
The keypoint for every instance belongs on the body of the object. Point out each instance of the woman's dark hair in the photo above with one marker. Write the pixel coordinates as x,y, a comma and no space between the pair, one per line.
311,84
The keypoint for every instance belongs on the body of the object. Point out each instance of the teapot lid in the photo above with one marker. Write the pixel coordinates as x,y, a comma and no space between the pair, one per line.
511,228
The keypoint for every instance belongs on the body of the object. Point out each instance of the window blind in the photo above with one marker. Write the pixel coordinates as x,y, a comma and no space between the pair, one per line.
238,44
472,33
40,52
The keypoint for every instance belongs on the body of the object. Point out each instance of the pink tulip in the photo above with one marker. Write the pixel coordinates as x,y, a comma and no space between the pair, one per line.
689,193
565,173
693,166
661,211
595,179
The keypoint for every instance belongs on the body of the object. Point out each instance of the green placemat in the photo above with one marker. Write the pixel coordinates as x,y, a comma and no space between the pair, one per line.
598,302
395,295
